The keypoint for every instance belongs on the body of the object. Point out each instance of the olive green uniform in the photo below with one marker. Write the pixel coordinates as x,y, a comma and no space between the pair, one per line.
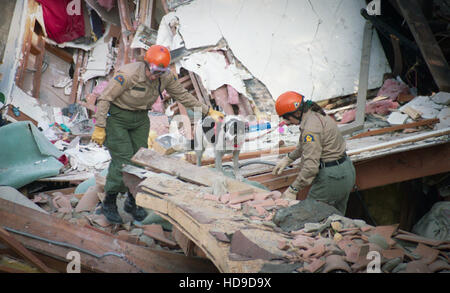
127,99
321,142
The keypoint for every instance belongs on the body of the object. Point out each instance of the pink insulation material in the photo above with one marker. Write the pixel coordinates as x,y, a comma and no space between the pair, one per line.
233,95
392,88
382,107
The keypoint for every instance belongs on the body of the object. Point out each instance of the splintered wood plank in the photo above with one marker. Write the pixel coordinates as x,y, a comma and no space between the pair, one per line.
395,128
38,67
99,252
432,53
200,220
186,171
76,76
22,251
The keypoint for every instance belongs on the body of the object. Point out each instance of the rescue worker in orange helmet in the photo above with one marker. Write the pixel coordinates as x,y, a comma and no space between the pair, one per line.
122,121
324,162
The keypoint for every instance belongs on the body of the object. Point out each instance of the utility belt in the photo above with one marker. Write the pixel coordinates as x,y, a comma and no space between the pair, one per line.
134,111
333,163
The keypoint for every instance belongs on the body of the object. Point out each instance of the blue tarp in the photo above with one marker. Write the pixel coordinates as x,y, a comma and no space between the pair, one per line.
26,155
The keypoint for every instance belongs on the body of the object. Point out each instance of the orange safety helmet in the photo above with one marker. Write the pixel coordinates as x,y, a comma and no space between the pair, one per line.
158,56
288,102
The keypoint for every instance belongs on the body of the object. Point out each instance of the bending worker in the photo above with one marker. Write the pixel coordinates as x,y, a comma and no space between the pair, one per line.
122,119
324,162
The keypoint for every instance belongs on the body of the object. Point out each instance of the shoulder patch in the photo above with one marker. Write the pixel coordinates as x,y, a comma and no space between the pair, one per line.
308,138
119,78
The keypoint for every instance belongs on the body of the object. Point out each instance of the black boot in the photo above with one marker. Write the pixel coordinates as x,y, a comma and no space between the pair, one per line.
130,207
109,208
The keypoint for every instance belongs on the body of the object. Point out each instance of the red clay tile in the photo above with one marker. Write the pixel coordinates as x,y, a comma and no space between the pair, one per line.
276,194
240,199
282,202
417,266
305,239
419,239
316,251
126,236
261,211
156,232
352,253
335,262
344,243
89,199
428,254
301,232
268,202
225,198
393,253
366,228
262,195
211,197
314,266
220,236
283,245
438,265
235,206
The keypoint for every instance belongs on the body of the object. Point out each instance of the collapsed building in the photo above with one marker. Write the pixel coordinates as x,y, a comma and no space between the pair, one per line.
381,74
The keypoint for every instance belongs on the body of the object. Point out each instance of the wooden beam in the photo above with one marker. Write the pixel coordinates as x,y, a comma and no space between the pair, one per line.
186,171
76,76
22,116
403,166
204,92
15,245
60,53
242,156
392,168
395,128
121,256
431,52
38,67
124,12
26,46
208,223
165,7
391,144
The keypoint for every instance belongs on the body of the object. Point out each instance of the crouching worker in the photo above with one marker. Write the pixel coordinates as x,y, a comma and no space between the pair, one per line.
122,121
324,162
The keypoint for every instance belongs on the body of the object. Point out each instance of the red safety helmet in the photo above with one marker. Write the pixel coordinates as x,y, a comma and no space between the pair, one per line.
158,56
288,103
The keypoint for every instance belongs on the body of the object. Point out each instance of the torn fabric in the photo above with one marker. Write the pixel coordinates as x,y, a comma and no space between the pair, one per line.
60,26
26,155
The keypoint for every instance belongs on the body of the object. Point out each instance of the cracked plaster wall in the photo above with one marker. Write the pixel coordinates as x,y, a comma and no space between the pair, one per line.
310,46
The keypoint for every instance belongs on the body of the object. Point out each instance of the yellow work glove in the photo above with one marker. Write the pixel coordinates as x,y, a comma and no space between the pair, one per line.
99,135
216,115
290,193
281,165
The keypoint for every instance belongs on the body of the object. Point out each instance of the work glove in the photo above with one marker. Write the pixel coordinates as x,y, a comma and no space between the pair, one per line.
281,165
289,193
216,115
99,135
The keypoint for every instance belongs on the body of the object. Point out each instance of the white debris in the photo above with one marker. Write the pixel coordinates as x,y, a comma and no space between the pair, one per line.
444,119
88,157
442,98
397,118
425,105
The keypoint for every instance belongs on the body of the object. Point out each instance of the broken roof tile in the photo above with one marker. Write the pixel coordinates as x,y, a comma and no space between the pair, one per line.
428,254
